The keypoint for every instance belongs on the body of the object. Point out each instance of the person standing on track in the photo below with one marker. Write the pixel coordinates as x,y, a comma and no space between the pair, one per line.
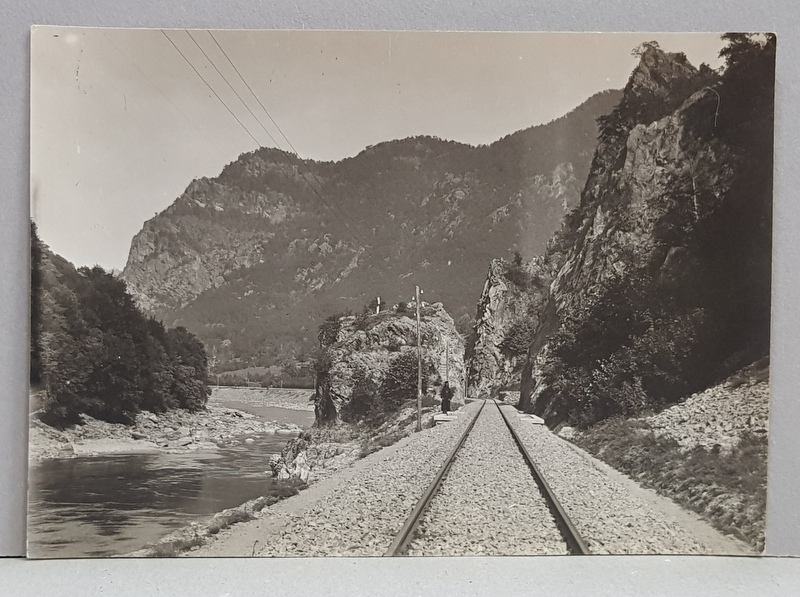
447,395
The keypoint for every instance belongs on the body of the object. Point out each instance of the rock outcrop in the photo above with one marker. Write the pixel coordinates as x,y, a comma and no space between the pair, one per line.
507,315
664,287
372,365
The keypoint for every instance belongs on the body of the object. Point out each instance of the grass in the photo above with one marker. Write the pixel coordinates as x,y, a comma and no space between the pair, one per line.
727,489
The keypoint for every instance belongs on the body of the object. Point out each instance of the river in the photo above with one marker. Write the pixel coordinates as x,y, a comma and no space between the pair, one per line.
115,504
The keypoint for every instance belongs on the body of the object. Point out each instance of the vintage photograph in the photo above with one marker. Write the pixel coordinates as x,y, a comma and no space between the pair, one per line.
339,293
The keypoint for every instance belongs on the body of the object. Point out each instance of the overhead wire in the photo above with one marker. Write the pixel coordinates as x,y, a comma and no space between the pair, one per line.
295,156
260,103
241,100
164,95
197,72
244,127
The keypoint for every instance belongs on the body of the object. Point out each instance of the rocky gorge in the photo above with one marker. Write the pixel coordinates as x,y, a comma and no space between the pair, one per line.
255,244
647,343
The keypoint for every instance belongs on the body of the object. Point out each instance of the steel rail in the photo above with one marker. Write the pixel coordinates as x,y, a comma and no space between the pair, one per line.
575,544
406,533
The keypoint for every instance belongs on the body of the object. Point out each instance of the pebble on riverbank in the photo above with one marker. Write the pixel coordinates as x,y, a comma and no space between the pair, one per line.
174,431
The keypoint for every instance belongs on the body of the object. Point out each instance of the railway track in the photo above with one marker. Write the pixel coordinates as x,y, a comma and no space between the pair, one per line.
546,518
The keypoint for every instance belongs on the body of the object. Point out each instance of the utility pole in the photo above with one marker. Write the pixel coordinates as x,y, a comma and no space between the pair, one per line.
419,367
447,361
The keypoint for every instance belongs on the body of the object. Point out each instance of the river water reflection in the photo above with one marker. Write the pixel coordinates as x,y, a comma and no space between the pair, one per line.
108,505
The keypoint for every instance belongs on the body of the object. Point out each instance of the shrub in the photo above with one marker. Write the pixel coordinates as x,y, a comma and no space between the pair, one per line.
364,399
329,330
400,383
518,276
518,338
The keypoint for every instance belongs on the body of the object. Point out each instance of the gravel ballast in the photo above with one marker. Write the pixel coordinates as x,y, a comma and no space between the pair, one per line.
607,515
489,503
362,518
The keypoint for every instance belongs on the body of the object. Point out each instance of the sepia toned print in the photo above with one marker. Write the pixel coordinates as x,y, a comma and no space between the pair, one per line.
399,293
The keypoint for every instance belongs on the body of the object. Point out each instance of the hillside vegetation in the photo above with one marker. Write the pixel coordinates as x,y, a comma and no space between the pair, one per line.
252,261
367,365
95,353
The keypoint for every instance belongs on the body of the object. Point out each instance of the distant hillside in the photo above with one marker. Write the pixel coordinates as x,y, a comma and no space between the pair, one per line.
253,260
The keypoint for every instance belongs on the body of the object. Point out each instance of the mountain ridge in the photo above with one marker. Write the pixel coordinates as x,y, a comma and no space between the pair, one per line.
420,210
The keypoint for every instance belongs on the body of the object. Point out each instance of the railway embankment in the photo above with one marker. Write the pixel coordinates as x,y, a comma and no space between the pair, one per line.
707,453
353,511
359,509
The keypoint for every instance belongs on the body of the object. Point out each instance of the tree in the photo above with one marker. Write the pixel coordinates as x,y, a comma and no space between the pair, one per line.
644,47
400,383
36,307
101,356
189,368
329,330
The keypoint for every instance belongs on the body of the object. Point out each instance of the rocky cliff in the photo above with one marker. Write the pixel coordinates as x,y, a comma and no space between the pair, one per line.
253,259
664,284
370,368
507,315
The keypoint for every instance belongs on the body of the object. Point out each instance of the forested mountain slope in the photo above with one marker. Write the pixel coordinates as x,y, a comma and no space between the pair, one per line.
253,260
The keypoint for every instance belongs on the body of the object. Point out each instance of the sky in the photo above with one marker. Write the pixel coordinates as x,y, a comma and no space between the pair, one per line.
121,123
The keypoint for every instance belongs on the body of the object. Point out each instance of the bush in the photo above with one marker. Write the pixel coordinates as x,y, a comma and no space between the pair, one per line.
400,383
517,275
329,330
364,399
518,338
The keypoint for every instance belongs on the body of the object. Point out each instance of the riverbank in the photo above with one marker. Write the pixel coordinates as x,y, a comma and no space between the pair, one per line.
322,451
174,431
